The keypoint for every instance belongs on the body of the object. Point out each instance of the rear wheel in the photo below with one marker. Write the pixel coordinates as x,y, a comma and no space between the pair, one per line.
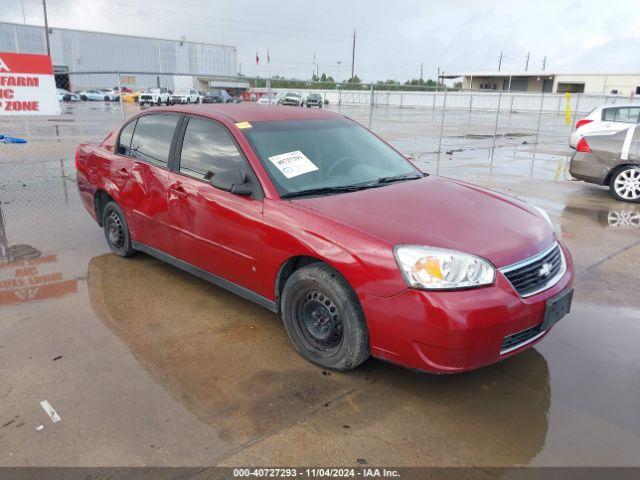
323,318
625,184
116,230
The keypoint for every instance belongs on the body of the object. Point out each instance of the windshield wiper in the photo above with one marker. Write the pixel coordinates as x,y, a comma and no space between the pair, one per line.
398,178
325,190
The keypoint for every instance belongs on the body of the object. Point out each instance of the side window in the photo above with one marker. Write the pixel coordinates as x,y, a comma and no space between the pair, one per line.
152,138
609,114
124,142
208,146
629,115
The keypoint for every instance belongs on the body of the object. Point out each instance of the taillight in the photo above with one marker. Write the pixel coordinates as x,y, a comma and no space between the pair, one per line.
583,121
583,146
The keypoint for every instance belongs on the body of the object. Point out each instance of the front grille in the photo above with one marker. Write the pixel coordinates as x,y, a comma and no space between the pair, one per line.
537,273
513,341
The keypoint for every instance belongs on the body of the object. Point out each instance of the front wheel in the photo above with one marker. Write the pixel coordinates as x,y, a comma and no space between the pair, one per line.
625,184
323,318
116,230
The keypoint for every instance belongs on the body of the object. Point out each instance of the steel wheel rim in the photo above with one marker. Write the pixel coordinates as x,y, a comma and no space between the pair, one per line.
627,184
115,230
318,322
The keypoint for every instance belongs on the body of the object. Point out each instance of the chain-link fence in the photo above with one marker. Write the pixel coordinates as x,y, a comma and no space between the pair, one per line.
470,134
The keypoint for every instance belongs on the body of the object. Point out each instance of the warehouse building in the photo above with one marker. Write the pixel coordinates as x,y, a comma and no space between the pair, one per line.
85,59
626,84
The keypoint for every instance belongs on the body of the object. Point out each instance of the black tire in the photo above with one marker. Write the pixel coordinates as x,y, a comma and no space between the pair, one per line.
116,230
83,98
106,98
323,318
629,192
159,101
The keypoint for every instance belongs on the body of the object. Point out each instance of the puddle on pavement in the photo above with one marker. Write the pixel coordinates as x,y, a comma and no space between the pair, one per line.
230,362
227,360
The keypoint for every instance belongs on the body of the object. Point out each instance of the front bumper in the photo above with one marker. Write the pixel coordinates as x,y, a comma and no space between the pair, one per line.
456,331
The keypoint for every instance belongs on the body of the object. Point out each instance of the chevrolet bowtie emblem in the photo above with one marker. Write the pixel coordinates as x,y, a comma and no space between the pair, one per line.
545,270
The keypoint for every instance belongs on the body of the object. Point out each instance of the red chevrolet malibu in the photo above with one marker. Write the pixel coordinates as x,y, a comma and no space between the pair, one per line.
307,213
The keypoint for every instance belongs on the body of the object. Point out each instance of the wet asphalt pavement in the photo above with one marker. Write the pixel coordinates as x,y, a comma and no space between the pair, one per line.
147,365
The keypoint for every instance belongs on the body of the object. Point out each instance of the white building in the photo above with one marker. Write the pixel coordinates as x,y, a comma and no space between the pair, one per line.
624,84
92,59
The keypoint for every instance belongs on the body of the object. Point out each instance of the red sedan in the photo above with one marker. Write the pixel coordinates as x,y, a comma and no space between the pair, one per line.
307,213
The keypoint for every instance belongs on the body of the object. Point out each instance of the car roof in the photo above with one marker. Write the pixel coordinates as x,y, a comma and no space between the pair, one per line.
252,112
618,105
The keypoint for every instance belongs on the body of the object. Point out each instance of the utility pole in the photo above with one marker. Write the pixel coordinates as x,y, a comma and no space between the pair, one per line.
438,75
24,16
544,63
353,53
46,27
421,76
526,66
500,60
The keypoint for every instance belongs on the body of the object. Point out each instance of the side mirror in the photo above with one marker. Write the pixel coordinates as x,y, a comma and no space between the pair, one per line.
233,181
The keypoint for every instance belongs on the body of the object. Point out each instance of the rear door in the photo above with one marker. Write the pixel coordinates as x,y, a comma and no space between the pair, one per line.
151,147
215,230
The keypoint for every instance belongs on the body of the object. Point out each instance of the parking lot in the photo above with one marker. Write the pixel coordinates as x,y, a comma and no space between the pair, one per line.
147,365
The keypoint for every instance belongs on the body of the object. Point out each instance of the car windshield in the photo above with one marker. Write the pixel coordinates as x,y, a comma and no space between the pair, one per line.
292,94
213,92
182,92
314,96
311,155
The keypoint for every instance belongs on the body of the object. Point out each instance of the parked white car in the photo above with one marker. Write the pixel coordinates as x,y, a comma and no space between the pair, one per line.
91,95
608,118
155,96
268,100
185,95
110,94
67,96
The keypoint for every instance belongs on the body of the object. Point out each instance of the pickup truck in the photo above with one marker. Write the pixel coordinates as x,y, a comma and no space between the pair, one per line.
155,96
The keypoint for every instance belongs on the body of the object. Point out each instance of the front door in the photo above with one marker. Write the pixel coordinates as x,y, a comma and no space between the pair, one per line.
214,230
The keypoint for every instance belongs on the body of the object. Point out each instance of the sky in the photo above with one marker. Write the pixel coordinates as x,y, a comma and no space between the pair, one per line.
393,39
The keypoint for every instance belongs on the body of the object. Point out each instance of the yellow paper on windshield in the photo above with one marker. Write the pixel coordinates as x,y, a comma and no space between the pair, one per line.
243,125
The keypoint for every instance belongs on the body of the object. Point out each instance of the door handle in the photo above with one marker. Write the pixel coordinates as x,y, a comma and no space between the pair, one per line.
178,190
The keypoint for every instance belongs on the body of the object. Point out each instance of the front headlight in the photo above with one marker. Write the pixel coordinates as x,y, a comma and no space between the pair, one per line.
441,269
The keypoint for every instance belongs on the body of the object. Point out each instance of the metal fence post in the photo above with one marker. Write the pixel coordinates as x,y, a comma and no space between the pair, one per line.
470,108
575,112
401,99
495,133
120,96
371,107
559,104
444,108
533,158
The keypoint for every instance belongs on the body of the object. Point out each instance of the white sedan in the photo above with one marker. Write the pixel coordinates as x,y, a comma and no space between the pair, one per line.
268,100
67,96
612,118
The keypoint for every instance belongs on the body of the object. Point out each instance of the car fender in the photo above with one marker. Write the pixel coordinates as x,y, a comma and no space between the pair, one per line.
365,262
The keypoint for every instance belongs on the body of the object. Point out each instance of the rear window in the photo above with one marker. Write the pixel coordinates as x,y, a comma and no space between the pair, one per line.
152,138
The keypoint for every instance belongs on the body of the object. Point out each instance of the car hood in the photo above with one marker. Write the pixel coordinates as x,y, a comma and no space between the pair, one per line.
438,212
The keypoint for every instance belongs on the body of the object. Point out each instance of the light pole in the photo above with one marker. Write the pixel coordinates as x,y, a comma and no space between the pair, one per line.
338,83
